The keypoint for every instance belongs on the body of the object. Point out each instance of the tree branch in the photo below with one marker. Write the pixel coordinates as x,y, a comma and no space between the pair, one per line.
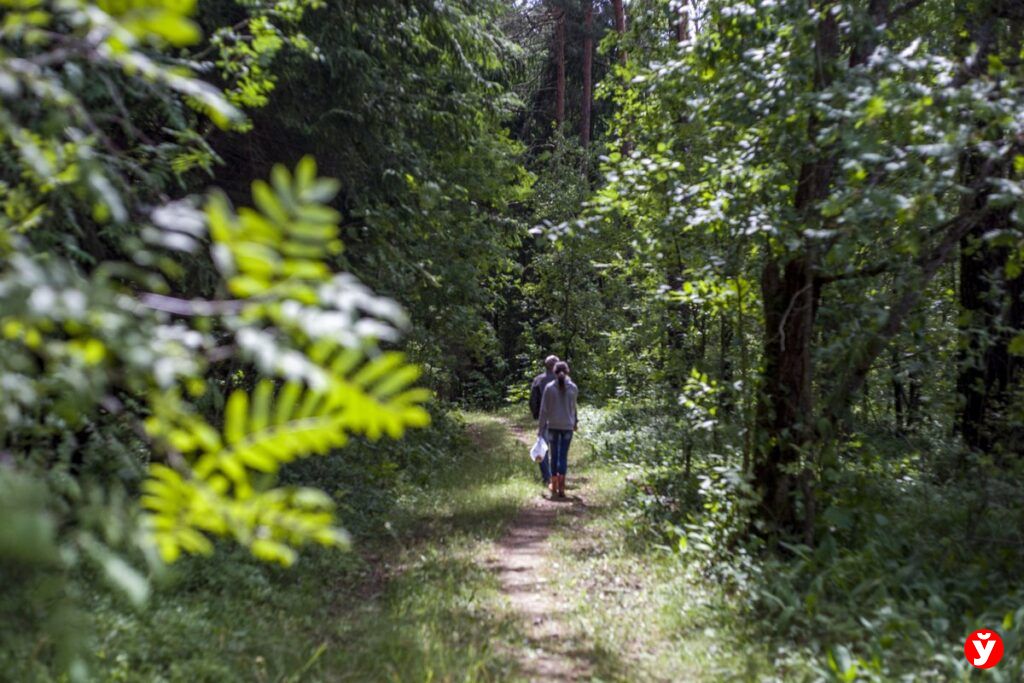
190,308
955,228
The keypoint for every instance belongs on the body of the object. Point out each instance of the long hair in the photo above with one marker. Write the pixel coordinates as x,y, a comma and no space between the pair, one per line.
561,372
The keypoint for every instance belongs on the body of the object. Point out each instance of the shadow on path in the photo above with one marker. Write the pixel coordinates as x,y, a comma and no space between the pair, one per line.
524,567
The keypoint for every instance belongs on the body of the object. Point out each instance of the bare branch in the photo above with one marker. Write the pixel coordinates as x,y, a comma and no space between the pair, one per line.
190,307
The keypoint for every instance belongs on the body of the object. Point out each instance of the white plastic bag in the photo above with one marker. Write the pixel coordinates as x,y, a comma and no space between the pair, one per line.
539,449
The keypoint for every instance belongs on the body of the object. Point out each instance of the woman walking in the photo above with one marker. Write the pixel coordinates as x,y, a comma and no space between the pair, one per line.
558,420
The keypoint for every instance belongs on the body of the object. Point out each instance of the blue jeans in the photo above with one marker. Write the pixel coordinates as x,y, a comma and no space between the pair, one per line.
558,442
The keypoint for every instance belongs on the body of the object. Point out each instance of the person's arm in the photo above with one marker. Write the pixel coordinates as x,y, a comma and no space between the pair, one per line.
535,398
542,418
575,414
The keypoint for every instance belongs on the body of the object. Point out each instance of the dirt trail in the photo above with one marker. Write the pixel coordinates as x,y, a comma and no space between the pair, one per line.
524,565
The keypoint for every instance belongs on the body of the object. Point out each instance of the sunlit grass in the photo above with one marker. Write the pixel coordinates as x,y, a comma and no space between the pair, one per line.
645,614
413,603
419,602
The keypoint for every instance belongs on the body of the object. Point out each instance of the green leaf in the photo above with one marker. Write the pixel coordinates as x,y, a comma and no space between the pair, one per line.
1016,346
875,108
261,399
235,414
268,202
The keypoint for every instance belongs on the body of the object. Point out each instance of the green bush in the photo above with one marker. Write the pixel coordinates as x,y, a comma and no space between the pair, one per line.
906,565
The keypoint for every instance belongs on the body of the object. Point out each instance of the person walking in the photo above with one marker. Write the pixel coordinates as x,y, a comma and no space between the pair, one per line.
558,419
536,393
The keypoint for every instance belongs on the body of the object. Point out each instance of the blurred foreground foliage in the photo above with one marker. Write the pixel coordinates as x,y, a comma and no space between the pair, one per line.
114,384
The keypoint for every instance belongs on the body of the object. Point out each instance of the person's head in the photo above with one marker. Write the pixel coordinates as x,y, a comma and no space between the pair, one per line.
561,372
550,362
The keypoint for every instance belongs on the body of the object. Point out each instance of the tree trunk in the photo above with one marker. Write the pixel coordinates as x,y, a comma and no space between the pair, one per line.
913,399
790,297
588,71
620,26
620,16
747,397
560,68
992,314
725,369
786,401
679,325
682,27
898,392
867,38
991,309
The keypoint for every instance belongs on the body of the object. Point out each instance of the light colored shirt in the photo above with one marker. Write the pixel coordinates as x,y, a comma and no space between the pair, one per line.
558,407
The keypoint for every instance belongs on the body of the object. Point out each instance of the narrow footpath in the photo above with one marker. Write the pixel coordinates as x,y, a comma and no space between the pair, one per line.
524,565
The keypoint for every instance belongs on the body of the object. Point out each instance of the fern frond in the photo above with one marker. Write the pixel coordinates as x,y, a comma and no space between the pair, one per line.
300,321
304,422
263,431
180,510
280,247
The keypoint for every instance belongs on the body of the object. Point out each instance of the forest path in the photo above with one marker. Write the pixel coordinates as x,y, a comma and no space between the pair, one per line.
526,566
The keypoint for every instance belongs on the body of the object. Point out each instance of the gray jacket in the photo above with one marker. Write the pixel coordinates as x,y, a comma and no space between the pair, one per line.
558,407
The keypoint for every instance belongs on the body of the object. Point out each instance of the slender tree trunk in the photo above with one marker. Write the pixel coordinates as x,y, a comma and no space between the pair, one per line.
679,324
560,68
747,396
898,392
620,16
588,71
620,26
682,27
913,391
725,369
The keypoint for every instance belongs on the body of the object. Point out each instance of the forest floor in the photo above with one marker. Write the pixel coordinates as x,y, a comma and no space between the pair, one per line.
525,562
476,575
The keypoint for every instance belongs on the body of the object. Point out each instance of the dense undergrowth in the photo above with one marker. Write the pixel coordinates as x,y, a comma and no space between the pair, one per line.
906,564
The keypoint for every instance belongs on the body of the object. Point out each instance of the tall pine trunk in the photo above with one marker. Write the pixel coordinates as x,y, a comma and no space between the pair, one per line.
588,71
682,27
620,16
560,68
620,26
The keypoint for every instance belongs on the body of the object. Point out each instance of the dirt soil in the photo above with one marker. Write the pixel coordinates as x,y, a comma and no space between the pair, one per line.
525,565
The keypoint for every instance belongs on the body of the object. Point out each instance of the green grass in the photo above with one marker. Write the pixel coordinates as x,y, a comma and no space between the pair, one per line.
646,615
413,602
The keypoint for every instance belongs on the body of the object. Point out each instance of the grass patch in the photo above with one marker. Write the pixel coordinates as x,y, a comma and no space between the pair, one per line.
414,602
646,615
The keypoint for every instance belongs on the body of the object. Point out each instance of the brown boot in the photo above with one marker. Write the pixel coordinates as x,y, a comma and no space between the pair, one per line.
561,486
553,484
